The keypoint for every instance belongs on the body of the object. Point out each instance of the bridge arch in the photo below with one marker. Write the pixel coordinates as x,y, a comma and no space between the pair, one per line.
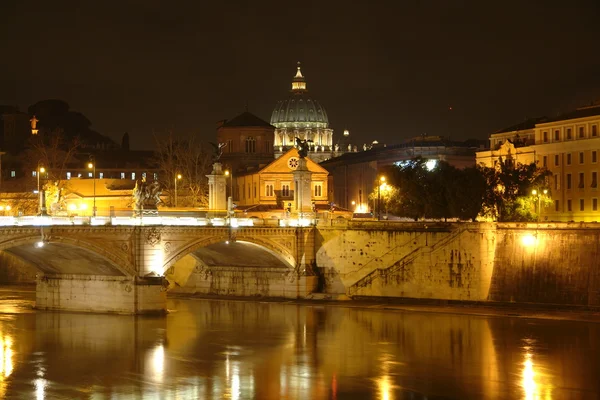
280,252
64,254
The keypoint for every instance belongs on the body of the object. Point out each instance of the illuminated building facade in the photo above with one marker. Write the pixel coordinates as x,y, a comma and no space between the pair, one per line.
300,116
569,147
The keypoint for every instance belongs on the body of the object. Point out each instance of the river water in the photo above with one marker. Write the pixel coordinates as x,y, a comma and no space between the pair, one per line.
219,349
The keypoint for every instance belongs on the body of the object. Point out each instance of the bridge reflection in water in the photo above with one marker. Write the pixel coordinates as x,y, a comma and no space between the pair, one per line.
251,350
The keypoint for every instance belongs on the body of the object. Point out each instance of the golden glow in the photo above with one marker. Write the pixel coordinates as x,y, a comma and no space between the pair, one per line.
226,172
158,362
528,380
298,85
178,176
72,207
83,206
42,170
382,179
8,208
90,165
529,240
534,192
1,208
6,356
361,208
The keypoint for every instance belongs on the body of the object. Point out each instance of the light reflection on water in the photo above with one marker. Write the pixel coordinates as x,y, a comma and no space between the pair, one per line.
250,350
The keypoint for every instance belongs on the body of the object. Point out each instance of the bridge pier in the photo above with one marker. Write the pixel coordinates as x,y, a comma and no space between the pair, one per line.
102,294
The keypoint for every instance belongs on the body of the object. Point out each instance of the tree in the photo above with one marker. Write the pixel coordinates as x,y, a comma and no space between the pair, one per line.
508,190
190,158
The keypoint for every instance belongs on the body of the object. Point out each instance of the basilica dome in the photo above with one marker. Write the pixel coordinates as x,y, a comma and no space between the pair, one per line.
299,110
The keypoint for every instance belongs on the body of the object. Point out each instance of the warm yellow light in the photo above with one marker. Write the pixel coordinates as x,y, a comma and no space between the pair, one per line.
382,179
545,191
528,240
83,206
8,208
227,172
1,208
353,202
178,176
534,192
90,165
42,170
72,207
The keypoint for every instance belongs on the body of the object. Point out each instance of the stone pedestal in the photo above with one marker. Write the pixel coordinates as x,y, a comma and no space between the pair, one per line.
302,189
217,186
101,294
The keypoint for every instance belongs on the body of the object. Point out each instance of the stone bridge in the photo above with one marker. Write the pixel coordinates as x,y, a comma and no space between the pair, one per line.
128,269
120,268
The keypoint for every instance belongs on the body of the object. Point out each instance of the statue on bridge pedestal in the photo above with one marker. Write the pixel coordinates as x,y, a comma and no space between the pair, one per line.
146,197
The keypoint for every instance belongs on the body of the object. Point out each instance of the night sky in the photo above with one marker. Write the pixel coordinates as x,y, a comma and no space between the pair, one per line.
383,70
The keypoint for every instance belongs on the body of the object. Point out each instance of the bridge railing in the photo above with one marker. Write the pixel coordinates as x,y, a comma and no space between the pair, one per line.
31,220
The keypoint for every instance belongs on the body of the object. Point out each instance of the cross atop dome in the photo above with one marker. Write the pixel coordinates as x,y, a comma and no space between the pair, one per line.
298,83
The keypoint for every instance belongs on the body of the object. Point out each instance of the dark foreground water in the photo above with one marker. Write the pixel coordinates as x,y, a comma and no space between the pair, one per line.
249,350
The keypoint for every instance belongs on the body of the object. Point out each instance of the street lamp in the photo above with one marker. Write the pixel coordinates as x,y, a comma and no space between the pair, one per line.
535,193
177,177
92,166
230,199
41,206
380,183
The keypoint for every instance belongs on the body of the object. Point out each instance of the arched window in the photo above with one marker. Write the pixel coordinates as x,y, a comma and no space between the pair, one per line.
250,145
269,192
285,190
318,190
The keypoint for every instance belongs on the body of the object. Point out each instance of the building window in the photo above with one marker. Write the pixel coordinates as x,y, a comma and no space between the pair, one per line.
269,190
556,205
318,190
250,145
133,176
581,132
594,204
545,161
268,147
255,190
156,176
556,159
568,134
581,157
545,137
556,182
230,146
581,205
34,173
594,130
249,193
68,175
568,158
13,174
90,175
594,179
568,181
594,156
569,208
285,190
79,175
581,180
101,175
122,175
144,175
556,136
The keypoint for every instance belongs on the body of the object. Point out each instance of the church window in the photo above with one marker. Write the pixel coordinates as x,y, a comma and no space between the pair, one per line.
285,190
318,190
269,192
250,145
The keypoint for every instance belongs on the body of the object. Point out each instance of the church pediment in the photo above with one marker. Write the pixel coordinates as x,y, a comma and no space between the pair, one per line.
288,162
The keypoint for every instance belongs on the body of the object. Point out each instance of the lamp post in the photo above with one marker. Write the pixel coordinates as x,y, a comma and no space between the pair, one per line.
41,206
92,166
177,177
380,182
535,193
230,199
